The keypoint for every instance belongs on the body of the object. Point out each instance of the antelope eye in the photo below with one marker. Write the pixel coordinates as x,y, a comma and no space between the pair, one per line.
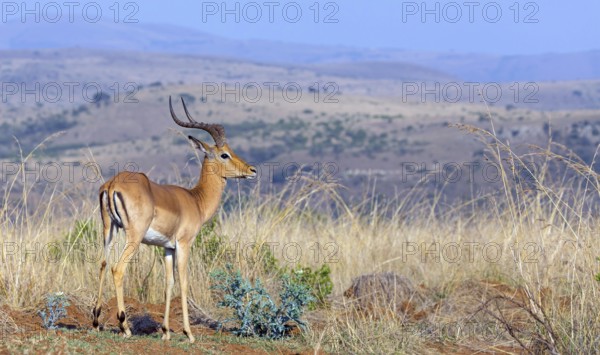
225,156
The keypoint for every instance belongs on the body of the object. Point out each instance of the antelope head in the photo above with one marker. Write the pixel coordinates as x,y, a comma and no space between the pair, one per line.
219,158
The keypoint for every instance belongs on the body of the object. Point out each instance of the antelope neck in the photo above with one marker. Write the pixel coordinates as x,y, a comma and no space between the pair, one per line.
209,190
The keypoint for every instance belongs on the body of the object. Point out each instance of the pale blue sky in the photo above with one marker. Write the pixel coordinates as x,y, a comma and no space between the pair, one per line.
555,26
562,26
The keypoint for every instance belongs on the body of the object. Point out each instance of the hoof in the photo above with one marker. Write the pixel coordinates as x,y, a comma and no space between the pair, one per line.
166,332
127,333
190,336
96,314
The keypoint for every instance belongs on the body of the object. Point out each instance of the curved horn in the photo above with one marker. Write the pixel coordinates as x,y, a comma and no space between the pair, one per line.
216,131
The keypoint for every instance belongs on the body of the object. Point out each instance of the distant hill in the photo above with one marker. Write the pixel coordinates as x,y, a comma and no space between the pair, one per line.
174,39
381,71
366,128
545,67
134,70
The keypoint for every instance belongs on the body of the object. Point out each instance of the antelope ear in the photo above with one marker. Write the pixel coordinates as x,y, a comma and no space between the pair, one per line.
205,148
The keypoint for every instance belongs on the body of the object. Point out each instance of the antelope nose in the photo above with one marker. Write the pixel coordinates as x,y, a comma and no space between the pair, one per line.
253,169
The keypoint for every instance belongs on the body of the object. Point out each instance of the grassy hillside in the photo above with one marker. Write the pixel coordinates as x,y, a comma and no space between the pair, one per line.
510,272
447,227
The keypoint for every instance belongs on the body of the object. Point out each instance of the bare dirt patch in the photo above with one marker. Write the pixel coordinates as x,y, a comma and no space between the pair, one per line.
22,329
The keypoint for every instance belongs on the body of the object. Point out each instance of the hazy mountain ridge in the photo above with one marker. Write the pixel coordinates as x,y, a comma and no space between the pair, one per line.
118,73
173,39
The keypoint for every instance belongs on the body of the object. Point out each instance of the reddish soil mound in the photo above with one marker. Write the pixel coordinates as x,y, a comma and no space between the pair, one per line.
386,294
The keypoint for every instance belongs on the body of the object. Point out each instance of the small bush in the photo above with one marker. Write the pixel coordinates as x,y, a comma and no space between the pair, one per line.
55,310
270,264
83,231
254,310
101,99
318,281
209,243
83,235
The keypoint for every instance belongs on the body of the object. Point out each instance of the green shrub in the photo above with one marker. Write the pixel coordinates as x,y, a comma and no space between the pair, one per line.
84,231
209,243
83,237
269,262
318,281
254,310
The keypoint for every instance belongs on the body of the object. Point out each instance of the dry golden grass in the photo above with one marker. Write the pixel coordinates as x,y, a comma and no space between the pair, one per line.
513,271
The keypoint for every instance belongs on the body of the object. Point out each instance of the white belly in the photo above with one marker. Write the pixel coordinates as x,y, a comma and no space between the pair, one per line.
153,237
